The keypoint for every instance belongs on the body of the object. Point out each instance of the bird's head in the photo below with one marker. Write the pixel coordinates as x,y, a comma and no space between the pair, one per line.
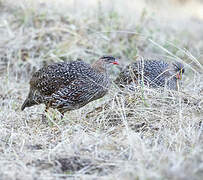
109,60
179,69
104,62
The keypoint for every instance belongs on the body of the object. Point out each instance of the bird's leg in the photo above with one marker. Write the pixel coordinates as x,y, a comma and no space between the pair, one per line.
46,109
45,112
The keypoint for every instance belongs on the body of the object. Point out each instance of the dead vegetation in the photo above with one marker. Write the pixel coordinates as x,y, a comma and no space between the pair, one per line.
140,134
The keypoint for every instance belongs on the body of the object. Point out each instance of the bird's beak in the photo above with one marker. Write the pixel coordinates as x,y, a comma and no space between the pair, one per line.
116,62
179,75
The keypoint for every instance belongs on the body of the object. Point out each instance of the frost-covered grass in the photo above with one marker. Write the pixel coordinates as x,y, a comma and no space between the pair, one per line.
145,134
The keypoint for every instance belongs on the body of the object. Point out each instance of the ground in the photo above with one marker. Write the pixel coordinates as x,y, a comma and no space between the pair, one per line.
144,134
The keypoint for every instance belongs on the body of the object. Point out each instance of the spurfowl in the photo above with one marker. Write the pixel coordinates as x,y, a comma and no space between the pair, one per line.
68,86
154,73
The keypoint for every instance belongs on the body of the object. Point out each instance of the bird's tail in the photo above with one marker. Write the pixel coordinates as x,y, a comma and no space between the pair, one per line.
29,100
27,103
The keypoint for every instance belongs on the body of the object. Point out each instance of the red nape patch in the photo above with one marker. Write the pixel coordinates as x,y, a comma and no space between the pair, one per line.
116,63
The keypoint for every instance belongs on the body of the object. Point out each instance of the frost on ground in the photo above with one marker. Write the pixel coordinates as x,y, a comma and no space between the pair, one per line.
144,134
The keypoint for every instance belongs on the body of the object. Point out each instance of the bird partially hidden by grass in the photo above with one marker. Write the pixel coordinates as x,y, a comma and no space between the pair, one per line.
153,73
69,86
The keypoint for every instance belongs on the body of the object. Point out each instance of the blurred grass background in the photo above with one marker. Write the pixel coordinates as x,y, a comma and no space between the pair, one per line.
124,138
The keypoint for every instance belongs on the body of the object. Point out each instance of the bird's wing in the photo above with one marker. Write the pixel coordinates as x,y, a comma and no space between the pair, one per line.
50,79
78,92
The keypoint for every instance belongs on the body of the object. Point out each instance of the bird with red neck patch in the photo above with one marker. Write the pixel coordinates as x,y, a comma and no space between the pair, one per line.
151,72
69,86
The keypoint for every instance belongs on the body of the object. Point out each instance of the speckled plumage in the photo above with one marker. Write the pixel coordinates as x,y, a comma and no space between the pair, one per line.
69,86
154,73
